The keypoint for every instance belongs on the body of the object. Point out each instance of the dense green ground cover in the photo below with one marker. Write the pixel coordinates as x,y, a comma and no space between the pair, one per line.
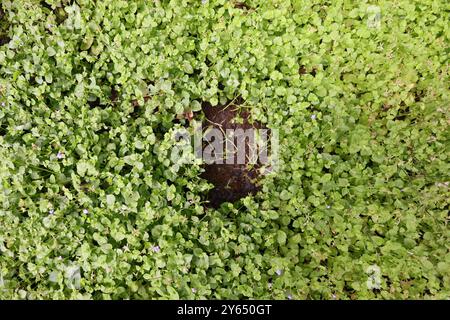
91,205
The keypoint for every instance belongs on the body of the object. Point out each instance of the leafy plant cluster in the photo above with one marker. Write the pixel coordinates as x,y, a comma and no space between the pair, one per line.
91,205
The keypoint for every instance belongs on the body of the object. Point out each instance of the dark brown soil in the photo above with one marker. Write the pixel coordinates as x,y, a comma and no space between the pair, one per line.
303,70
243,6
231,181
4,39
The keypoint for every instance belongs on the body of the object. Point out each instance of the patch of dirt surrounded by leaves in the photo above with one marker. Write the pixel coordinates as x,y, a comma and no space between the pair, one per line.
231,181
